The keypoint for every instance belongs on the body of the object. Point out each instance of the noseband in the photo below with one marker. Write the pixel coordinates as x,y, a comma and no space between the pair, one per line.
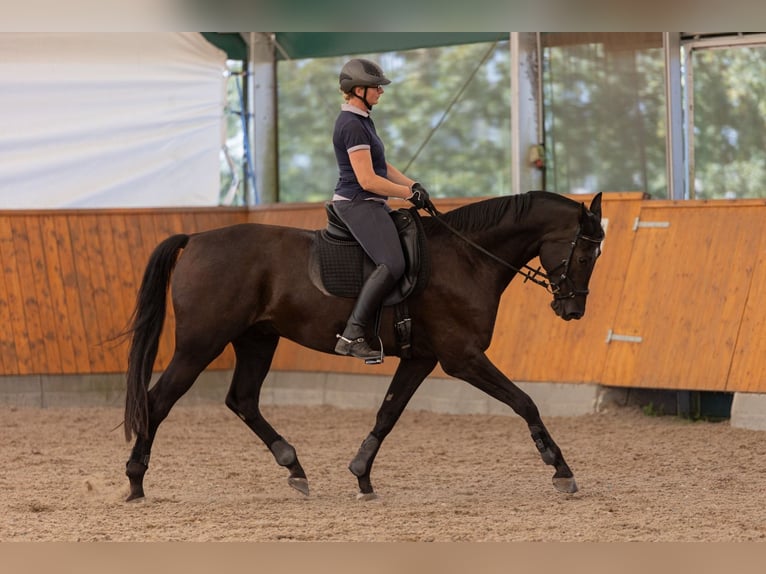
537,276
554,287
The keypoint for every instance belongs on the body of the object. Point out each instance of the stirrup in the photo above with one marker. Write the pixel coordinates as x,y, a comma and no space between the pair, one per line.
344,346
379,359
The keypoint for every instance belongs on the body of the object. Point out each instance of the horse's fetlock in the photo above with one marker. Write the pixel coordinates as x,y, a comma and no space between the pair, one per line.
284,454
361,463
136,469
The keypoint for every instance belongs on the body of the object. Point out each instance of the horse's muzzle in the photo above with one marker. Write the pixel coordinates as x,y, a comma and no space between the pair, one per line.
567,309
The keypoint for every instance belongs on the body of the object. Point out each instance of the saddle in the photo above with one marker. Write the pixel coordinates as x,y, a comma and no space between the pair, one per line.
339,266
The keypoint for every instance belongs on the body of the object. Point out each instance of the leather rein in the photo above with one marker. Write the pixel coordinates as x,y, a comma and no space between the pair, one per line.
537,276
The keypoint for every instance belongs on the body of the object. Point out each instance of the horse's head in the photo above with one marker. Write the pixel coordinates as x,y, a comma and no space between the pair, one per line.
569,261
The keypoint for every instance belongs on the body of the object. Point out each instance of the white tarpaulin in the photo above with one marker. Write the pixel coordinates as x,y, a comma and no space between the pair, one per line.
110,120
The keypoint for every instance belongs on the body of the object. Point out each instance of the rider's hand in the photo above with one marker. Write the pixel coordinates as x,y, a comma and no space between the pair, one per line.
421,200
419,197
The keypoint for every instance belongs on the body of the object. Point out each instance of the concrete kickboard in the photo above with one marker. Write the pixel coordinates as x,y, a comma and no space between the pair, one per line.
443,395
748,411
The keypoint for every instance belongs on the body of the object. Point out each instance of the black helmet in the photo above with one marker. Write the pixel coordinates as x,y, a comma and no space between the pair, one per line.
361,72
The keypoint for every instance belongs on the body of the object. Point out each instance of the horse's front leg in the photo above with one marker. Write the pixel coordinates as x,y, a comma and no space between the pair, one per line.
478,370
408,376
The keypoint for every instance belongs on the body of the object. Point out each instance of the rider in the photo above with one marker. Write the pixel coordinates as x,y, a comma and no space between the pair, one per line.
366,180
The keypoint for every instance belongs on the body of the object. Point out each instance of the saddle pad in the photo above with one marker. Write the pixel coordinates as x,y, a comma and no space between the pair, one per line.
341,265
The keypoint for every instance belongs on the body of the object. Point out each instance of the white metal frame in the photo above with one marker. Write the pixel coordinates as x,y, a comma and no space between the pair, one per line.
689,46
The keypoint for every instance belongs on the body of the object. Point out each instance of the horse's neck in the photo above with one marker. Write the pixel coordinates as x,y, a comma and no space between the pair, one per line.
516,241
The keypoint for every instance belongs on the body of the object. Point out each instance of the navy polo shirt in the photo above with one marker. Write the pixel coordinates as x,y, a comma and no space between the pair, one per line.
354,130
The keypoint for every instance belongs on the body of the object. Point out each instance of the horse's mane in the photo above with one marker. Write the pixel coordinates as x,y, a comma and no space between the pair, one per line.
488,213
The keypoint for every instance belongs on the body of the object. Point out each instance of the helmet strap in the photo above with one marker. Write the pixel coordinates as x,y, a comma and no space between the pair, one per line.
363,97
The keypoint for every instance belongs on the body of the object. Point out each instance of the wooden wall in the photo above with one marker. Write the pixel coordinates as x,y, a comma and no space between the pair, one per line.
687,282
69,280
692,292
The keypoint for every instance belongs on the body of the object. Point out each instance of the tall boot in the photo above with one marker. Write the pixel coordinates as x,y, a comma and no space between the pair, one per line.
374,290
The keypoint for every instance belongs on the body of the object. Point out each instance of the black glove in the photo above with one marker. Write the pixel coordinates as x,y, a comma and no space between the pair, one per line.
419,197
421,200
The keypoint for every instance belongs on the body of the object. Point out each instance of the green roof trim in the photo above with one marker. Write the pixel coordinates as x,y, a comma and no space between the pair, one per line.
300,45
232,43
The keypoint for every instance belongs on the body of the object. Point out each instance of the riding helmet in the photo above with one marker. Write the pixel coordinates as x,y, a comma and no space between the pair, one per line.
361,72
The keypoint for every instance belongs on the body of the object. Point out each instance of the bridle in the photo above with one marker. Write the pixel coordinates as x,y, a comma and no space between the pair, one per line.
555,287
537,276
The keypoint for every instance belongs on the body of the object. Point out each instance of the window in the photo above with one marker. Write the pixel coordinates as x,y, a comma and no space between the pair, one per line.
604,112
727,115
463,153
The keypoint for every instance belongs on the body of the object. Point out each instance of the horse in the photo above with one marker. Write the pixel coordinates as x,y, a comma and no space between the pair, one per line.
248,285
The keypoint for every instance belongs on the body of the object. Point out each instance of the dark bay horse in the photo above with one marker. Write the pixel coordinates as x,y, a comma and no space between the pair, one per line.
249,285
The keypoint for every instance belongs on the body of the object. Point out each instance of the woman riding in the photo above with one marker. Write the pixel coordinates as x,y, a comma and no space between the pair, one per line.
366,181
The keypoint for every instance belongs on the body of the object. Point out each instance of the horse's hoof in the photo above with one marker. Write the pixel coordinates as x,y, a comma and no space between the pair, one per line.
366,496
135,497
299,484
136,492
567,485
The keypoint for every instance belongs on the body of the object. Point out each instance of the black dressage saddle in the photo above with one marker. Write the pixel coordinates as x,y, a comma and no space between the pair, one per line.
339,266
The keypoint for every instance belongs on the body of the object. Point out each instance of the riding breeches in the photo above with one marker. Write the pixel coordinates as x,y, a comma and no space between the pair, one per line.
371,225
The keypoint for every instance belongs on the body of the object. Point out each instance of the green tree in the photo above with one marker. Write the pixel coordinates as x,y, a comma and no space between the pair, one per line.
730,122
604,119
467,155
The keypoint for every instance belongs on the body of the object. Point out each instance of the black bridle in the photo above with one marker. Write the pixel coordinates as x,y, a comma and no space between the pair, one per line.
555,287
537,276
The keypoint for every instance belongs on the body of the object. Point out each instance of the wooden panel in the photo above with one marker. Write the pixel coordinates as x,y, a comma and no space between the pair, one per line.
39,293
37,361
15,355
531,343
90,285
58,320
684,295
59,238
118,269
69,280
748,369
691,291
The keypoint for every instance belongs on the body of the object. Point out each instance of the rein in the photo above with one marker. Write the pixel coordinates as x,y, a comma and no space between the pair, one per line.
537,276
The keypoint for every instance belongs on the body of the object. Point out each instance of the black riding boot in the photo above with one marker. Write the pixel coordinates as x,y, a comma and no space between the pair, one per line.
374,290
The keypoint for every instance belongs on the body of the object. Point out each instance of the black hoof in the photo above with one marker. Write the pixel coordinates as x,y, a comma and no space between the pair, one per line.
566,485
366,496
299,484
136,493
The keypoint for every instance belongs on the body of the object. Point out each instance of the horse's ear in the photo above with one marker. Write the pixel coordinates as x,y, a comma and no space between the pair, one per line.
595,206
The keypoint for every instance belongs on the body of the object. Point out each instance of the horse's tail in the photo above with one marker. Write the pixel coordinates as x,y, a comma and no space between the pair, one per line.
145,329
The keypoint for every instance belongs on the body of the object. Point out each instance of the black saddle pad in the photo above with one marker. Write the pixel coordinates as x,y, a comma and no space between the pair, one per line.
342,266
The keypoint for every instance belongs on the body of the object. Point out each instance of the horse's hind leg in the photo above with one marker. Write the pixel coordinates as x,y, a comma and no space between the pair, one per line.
172,384
479,371
254,353
406,381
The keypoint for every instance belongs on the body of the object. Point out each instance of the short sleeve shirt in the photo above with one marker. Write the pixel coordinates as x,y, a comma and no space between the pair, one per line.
355,130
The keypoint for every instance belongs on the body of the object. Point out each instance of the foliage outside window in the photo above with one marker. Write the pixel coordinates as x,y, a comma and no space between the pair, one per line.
729,91
603,119
468,155
604,113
